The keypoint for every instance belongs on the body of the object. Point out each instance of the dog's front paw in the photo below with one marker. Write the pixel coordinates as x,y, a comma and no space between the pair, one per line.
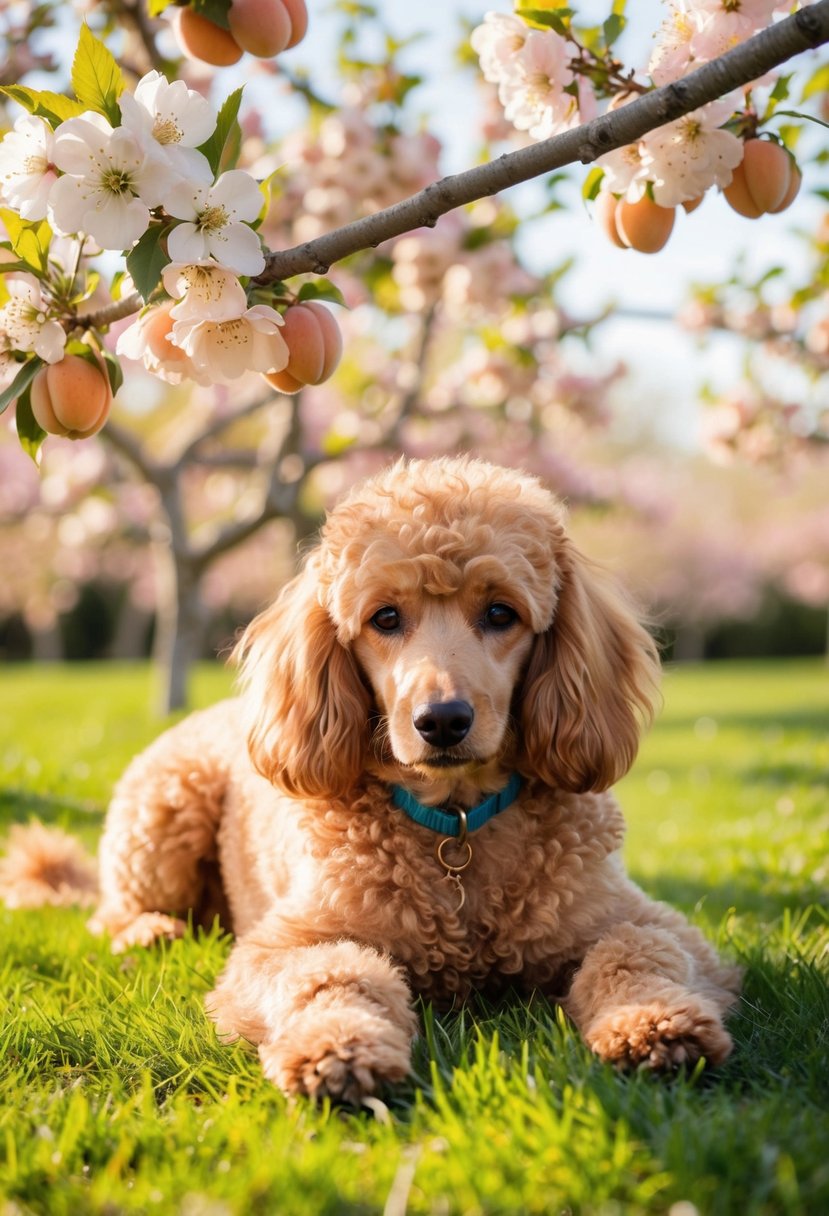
660,1035
345,1054
144,930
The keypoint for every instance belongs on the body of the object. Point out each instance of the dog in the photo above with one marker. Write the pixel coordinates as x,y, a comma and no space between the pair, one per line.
410,797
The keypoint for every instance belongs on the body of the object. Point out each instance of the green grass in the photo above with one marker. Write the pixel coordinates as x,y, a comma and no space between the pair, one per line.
115,1095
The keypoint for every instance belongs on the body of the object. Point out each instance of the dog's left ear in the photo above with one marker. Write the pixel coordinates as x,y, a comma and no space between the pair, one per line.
590,684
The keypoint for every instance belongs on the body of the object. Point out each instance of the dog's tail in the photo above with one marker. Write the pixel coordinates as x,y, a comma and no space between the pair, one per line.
45,866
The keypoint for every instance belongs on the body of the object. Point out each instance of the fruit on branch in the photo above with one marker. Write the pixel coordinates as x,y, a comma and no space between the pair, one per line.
203,39
261,27
71,398
766,180
158,326
314,345
299,20
266,27
643,225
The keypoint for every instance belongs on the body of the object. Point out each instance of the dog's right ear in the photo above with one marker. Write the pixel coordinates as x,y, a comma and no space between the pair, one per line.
308,706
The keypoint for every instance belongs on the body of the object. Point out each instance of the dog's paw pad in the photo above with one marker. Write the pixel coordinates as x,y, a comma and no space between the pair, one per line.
660,1037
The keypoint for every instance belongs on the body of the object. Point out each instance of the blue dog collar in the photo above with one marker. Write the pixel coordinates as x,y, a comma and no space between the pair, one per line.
447,822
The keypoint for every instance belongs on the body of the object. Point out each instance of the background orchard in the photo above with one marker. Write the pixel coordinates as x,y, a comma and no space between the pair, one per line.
250,400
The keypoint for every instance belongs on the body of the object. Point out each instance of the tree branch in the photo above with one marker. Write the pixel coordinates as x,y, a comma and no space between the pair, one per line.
804,30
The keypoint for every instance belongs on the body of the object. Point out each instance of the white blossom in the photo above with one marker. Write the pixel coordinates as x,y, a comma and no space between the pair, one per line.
172,118
496,42
216,222
687,157
27,172
532,93
110,182
221,351
25,322
206,291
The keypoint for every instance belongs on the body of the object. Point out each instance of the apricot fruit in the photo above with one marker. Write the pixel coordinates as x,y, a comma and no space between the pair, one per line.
644,225
298,13
204,40
157,328
606,205
71,398
314,347
262,27
762,182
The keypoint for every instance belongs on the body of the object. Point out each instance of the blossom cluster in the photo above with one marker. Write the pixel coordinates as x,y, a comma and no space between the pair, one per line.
103,185
547,82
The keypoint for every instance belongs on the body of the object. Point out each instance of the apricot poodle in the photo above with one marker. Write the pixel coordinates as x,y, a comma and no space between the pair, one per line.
411,796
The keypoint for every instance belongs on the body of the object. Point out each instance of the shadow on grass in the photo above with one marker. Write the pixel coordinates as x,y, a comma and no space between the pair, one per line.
21,806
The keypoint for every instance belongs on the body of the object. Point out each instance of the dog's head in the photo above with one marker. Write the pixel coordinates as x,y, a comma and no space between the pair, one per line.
446,624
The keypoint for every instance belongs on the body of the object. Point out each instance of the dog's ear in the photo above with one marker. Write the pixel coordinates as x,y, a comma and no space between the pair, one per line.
590,684
308,706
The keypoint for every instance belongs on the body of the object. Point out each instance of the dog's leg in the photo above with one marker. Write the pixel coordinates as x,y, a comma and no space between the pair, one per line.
641,997
160,831
333,1019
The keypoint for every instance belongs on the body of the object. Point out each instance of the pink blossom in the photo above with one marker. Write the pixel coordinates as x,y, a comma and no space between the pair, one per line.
532,92
687,157
497,41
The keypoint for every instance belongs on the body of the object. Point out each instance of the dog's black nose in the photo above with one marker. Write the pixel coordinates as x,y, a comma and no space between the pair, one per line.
443,723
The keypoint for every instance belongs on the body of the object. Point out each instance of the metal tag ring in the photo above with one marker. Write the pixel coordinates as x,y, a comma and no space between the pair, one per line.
450,866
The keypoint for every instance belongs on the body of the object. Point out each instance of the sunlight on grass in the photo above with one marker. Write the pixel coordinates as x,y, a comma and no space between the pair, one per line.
117,1097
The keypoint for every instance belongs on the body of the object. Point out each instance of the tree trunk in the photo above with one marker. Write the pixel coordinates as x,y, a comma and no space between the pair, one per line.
179,627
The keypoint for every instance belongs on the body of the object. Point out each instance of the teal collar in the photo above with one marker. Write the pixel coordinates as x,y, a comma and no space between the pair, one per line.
448,822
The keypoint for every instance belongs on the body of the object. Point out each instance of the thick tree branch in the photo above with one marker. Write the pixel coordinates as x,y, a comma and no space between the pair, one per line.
804,30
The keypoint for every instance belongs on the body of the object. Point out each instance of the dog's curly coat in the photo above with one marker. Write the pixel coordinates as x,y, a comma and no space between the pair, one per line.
434,582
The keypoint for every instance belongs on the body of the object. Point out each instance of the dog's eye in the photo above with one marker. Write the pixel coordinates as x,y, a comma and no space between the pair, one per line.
386,619
499,616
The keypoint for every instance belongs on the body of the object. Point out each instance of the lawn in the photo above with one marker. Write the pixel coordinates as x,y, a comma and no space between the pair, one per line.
115,1096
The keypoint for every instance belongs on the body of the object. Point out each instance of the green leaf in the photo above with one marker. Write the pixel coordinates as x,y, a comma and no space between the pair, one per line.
214,10
557,19
30,240
803,117
114,371
20,383
612,28
222,148
29,431
147,259
54,107
592,184
96,77
818,82
321,289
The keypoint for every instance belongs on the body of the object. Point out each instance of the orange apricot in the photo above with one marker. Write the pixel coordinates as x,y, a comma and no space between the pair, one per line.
645,225
157,328
606,204
691,204
298,13
314,346
71,398
204,40
262,27
762,180
792,192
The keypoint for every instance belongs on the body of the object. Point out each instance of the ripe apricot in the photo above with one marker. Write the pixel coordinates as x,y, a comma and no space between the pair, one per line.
298,13
157,327
314,345
792,192
762,180
203,39
71,398
262,27
606,204
644,225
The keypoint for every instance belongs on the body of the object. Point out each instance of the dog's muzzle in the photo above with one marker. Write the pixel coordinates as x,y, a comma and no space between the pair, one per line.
443,724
